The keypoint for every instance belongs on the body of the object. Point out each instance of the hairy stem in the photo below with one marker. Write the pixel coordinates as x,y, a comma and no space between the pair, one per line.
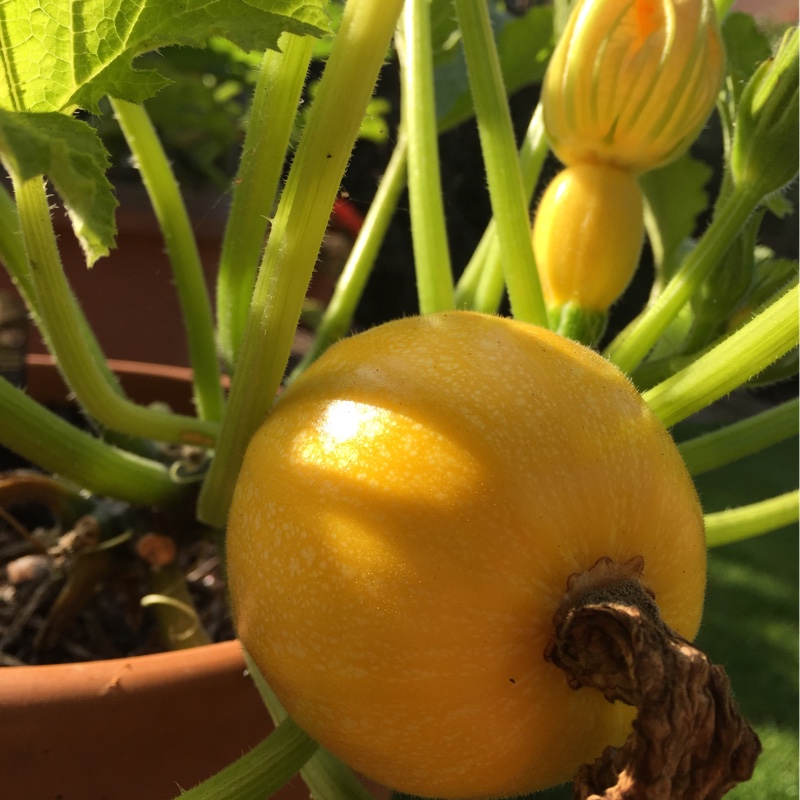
326,777
261,771
733,361
184,256
297,230
428,231
280,82
744,522
35,433
338,316
631,346
506,188
481,285
740,439
75,358
13,257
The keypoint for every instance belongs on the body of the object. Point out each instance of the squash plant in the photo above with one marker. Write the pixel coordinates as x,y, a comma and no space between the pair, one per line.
722,314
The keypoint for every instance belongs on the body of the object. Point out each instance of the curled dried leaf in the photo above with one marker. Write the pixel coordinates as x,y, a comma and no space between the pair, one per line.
689,741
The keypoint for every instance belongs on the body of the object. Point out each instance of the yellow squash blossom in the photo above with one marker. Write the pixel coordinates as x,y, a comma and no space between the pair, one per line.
632,82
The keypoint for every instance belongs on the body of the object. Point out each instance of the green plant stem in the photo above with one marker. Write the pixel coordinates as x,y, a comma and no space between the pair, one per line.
481,284
428,230
184,256
262,770
326,777
735,360
297,230
338,316
631,346
744,522
506,189
12,255
75,357
717,448
12,250
279,85
35,433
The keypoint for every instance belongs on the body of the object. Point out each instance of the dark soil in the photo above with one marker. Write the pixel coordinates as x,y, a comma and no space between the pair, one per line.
64,603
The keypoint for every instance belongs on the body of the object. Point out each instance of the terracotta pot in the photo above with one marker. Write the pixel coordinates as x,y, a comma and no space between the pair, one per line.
129,296
131,728
128,728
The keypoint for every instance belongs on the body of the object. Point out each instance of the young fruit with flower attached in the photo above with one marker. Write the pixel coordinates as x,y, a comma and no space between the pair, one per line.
587,239
403,531
628,88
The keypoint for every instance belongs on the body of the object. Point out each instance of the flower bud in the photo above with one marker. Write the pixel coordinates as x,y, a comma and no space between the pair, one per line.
764,156
632,83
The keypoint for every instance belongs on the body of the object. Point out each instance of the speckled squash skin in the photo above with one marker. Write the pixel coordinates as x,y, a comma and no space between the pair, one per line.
402,532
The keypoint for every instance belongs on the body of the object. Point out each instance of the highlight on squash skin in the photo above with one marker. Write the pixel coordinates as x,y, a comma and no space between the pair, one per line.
402,534
587,236
632,82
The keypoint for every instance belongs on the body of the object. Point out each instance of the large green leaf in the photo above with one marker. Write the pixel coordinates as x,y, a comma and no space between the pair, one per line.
71,154
676,196
57,54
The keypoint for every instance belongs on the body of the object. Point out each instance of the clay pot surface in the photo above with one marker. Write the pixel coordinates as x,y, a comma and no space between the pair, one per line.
130,728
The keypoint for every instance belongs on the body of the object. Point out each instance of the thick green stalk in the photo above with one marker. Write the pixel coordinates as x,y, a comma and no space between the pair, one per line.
262,770
740,439
428,229
300,221
326,777
184,257
338,316
276,97
506,189
733,361
481,285
74,354
42,437
631,347
744,522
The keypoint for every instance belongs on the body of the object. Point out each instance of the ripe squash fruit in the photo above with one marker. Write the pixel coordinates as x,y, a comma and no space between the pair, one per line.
403,530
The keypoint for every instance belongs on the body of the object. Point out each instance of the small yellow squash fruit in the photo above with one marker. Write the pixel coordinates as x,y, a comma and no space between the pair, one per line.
402,533
587,236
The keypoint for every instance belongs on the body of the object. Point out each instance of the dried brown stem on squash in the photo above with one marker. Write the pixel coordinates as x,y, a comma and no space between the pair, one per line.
689,741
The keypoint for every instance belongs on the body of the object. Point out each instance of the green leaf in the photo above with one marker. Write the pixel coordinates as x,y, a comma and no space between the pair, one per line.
71,154
58,54
675,197
745,48
524,45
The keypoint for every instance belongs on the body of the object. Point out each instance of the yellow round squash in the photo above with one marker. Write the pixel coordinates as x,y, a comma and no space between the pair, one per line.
402,533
